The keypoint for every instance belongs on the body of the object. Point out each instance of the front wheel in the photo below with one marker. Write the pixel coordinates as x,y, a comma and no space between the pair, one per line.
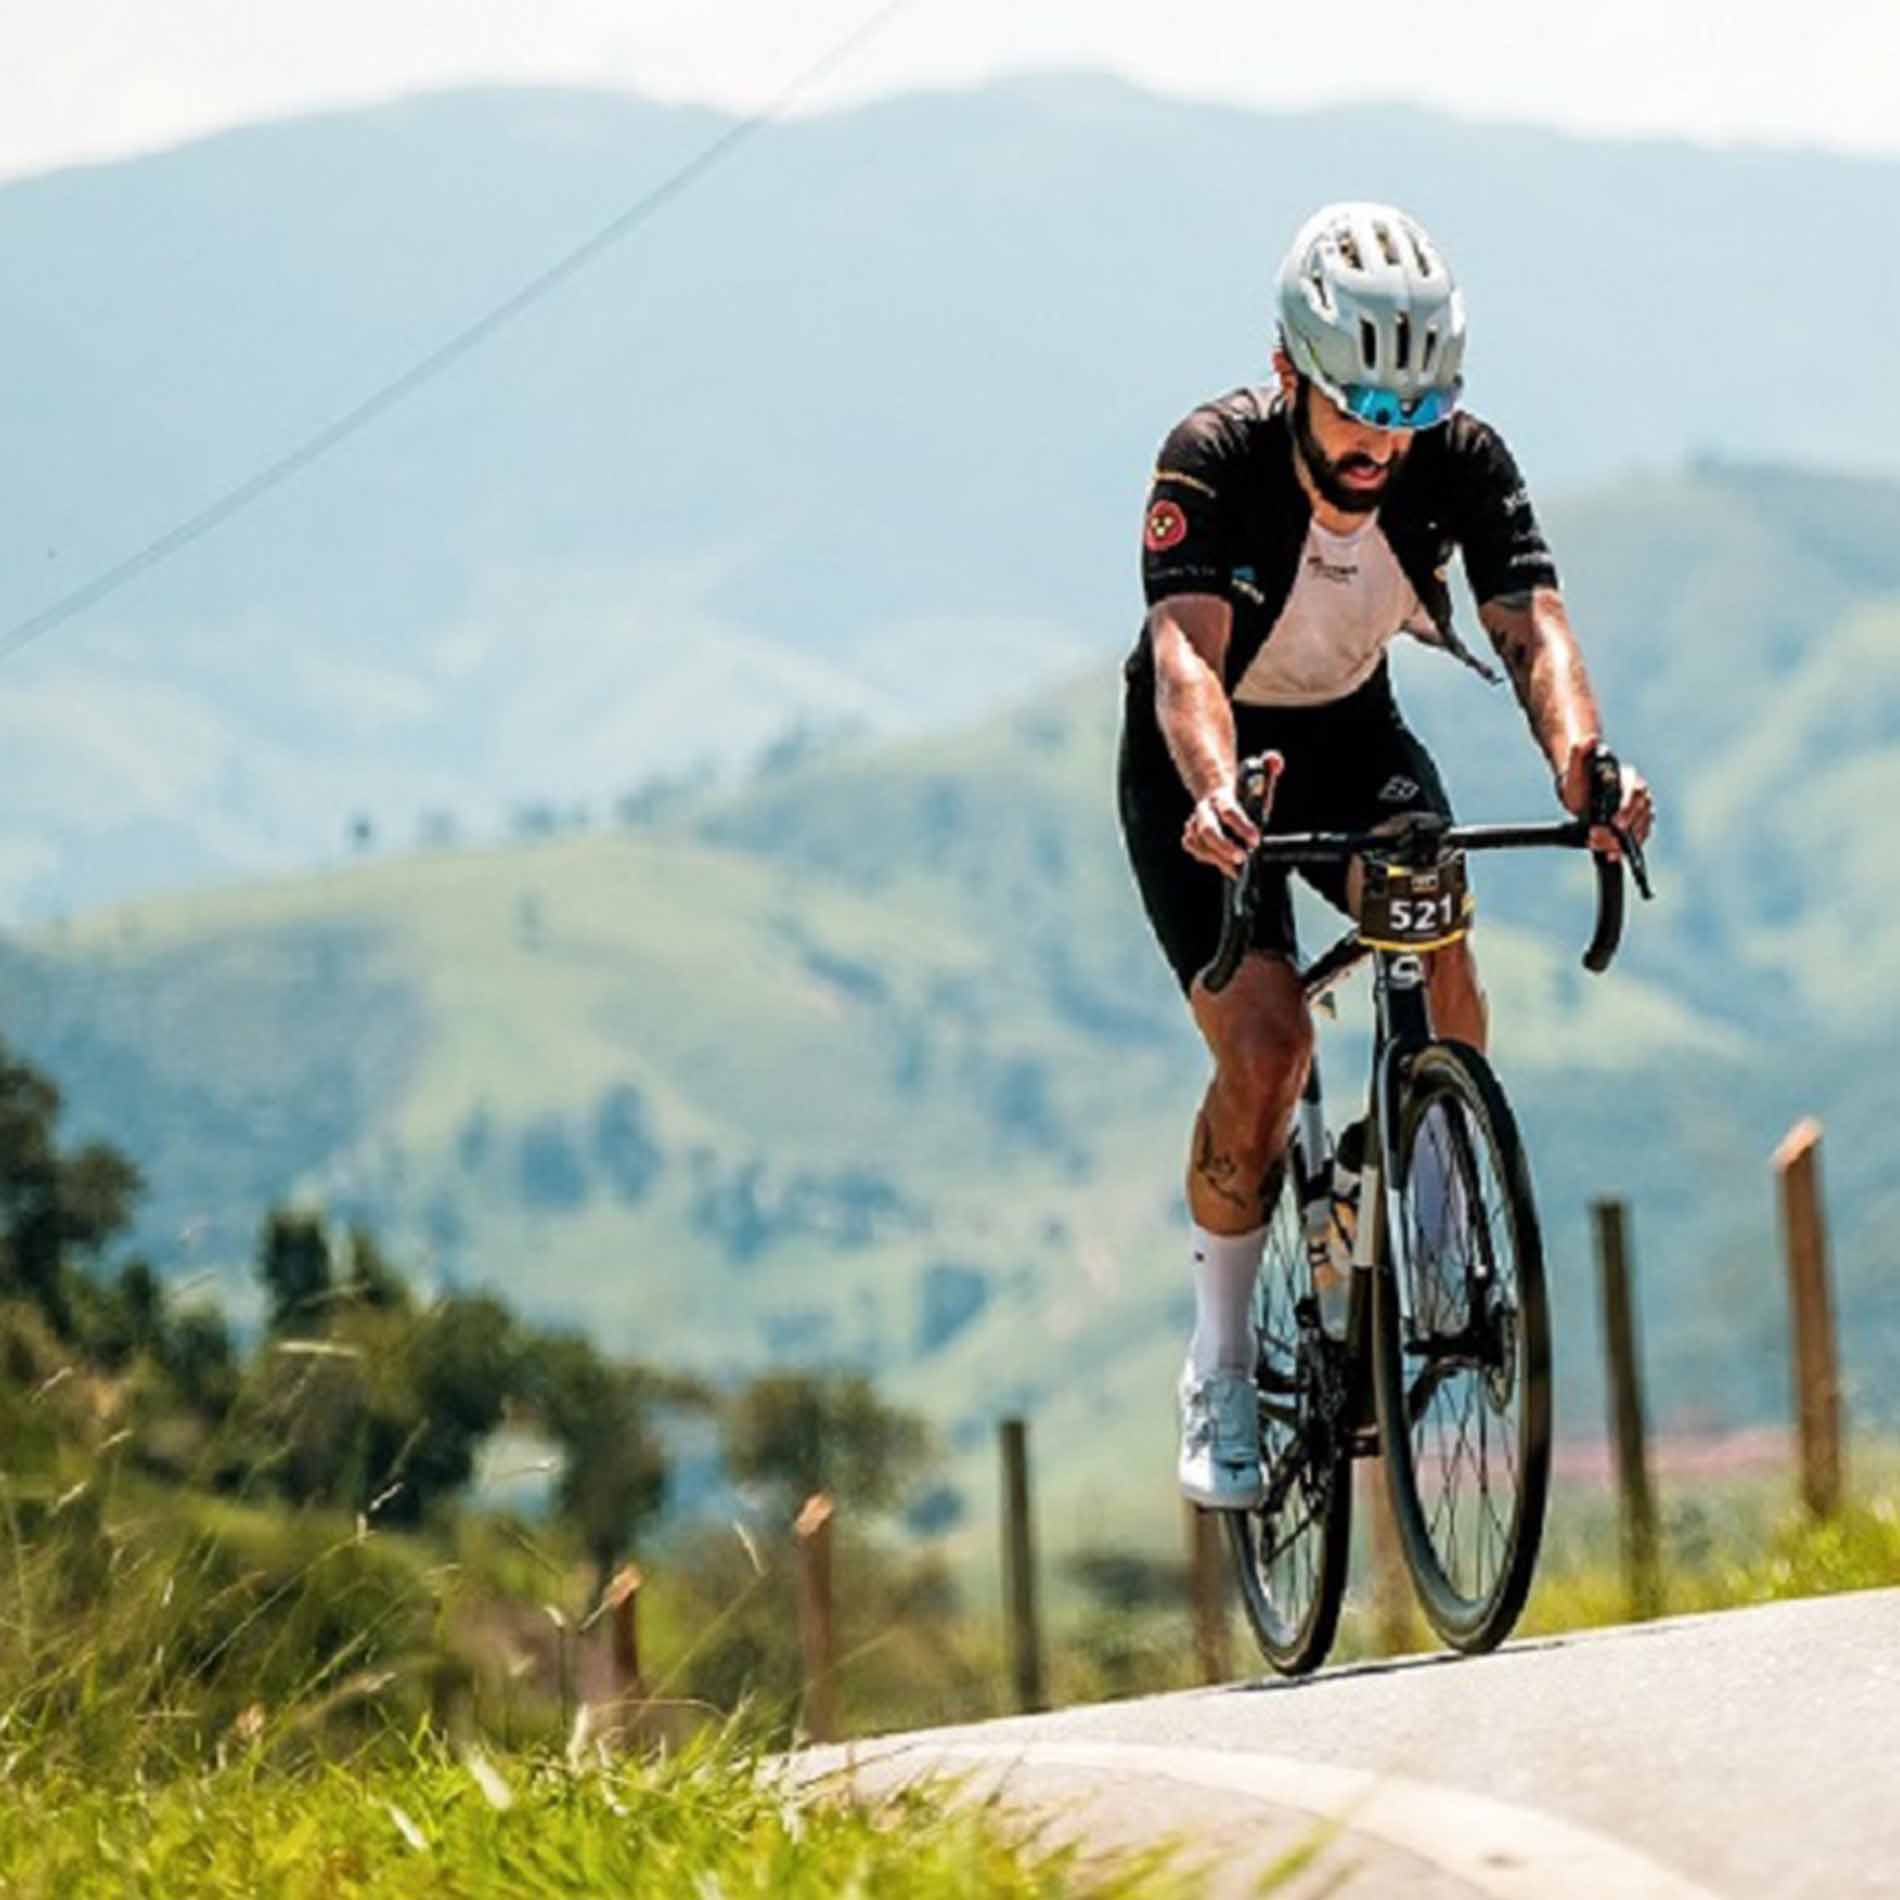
1290,1555
1461,1351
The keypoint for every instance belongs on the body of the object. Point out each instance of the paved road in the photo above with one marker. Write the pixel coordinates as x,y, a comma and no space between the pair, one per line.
1755,1753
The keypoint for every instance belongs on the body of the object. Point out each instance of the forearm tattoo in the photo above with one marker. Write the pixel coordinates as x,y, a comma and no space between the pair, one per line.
1531,633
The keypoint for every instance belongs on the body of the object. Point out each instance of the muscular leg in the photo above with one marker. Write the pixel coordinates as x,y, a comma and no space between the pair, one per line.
1261,1039
1260,1035
1459,1009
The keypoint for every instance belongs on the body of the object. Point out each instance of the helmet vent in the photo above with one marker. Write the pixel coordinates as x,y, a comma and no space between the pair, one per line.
1368,342
1422,253
1349,250
1322,290
1402,354
1426,354
1383,232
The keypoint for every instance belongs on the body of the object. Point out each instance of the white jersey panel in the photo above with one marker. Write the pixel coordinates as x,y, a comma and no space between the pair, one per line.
1350,601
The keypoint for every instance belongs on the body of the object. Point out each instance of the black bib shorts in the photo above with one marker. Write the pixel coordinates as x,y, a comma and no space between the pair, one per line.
1350,764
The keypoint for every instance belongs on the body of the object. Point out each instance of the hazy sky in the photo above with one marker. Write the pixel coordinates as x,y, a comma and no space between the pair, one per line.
86,78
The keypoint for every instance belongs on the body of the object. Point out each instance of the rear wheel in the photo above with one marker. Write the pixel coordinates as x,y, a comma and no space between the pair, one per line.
1461,1347
1290,1555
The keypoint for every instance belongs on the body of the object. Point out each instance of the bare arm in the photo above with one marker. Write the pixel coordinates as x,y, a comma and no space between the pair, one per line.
1189,635
1531,632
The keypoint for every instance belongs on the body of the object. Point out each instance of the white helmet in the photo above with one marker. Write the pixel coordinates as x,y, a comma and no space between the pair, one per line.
1369,311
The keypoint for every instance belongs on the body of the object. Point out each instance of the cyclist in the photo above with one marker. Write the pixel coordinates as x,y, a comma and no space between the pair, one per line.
1292,533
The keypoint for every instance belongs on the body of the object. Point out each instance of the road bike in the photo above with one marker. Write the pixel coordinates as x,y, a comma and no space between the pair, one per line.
1444,1365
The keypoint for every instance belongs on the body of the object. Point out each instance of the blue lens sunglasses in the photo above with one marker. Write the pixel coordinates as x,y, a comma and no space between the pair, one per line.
1386,409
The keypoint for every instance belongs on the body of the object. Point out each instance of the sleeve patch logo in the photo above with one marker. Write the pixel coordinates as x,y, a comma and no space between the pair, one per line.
1167,527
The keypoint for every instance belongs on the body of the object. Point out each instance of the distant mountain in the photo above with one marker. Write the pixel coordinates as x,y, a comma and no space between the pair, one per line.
853,431
871,1059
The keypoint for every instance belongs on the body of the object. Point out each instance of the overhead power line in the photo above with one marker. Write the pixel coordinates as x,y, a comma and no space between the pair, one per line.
313,447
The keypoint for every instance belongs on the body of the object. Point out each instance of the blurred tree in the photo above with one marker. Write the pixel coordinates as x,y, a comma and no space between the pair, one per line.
386,1413
797,1433
127,1317
202,1361
293,1263
614,1468
370,1280
51,1205
462,1363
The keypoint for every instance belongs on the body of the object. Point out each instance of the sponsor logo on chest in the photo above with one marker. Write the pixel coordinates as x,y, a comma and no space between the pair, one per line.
1339,573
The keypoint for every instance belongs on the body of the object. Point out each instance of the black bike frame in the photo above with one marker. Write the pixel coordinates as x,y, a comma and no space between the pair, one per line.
1402,1027
1402,1013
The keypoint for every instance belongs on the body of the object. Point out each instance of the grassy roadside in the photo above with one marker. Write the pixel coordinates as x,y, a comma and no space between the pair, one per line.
711,1820
1711,1562
201,1695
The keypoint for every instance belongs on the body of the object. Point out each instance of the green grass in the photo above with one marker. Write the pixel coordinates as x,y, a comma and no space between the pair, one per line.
717,1818
1728,1549
212,1696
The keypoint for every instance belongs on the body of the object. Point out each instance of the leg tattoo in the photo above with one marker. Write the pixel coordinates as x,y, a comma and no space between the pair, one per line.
1220,1171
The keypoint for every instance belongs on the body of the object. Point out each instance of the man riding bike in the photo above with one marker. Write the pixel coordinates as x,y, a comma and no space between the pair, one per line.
1292,533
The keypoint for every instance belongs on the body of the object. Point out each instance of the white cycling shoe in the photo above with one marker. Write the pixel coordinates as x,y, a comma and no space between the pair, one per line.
1220,1441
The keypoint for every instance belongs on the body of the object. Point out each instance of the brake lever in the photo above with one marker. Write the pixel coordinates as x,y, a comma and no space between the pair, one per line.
1606,796
1256,780
1639,866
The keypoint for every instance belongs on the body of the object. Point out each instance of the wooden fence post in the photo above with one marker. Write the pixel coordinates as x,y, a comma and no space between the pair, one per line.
1207,1591
1623,1369
1392,1632
1019,1568
1817,1374
623,1602
813,1532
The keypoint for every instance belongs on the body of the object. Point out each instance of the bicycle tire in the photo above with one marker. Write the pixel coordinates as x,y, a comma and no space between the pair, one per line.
1480,1130
1292,1600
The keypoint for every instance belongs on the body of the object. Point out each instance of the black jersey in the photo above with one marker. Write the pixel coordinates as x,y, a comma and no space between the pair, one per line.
1227,515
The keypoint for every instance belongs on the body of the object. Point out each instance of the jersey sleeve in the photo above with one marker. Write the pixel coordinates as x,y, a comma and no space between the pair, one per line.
1504,548
1185,537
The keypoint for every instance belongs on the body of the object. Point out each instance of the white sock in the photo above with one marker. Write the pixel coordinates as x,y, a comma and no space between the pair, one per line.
1225,1269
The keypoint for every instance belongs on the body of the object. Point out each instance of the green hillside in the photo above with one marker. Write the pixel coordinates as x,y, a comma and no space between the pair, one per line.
921,1113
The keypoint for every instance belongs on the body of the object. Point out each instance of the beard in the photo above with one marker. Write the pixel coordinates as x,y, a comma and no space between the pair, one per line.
1329,475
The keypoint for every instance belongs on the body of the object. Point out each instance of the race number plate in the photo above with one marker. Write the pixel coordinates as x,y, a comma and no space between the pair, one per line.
1408,909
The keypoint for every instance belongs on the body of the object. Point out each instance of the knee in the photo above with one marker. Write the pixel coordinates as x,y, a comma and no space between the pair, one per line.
1259,1072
